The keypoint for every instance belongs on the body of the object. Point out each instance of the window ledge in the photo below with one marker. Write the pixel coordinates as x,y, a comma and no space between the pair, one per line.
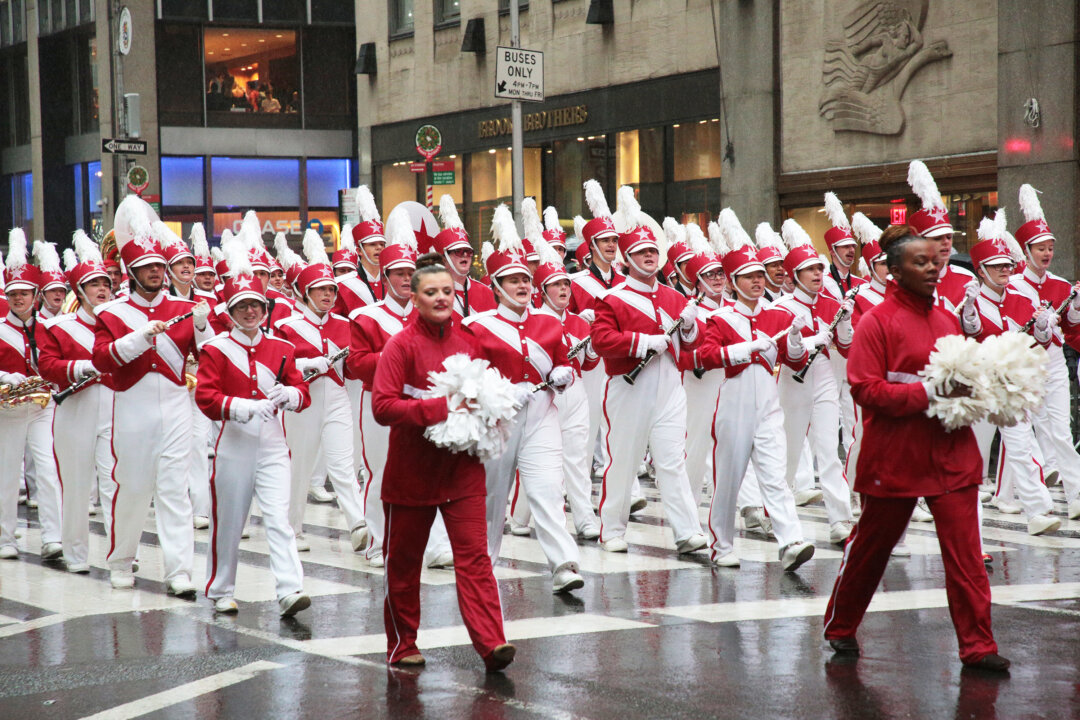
447,25
403,35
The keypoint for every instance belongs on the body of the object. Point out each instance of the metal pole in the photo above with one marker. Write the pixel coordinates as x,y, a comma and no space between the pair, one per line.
516,153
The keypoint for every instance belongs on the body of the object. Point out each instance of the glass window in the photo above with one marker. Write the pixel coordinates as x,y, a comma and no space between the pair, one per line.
699,150
333,11
18,21
455,188
324,179
447,11
504,6
179,74
491,182
639,156
182,181
5,22
255,182
251,71
20,97
93,188
396,185
401,17
183,9
22,202
574,162
87,84
329,58
86,11
284,10
236,10
80,195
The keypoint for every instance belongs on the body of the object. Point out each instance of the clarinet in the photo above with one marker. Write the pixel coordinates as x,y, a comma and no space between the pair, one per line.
631,377
312,373
800,376
62,395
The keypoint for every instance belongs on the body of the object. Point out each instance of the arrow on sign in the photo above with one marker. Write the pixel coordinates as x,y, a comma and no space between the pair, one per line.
501,87
126,147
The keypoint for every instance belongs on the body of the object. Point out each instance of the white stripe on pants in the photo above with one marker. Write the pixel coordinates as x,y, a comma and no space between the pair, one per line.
252,461
848,414
151,441
651,413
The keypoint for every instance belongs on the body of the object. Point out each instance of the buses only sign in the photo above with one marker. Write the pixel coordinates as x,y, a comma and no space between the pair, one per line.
519,74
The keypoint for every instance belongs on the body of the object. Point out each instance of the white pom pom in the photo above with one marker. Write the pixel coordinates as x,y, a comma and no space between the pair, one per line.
922,184
365,203
951,365
551,219
45,254
70,260
530,220
794,235
734,234
314,248
1029,203
864,228
834,209
594,198
483,426
1015,371
448,214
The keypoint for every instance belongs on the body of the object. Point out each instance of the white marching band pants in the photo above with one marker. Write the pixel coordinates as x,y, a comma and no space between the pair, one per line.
323,429
84,461
749,426
534,450
252,461
1018,471
375,445
26,431
1052,425
151,441
199,470
848,412
701,408
651,413
811,411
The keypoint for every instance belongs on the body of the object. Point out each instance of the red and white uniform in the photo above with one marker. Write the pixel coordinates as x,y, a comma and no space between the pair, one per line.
151,436
870,296
747,422
951,283
471,298
701,394
651,413
812,409
837,283
251,459
892,344
372,326
325,427
83,423
525,347
1052,420
422,478
25,433
278,309
997,313
355,290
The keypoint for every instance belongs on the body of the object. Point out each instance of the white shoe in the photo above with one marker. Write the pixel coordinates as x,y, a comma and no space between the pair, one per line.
615,545
201,522
321,495
442,560
922,513
302,544
93,509
226,606
518,529
31,503
754,518
590,532
51,551
839,532
795,554
292,604
900,550
1005,506
566,579
1039,524
805,497
856,504
1074,508
691,544
79,568
245,533
730,560
358,537
181,587
122,579
985,497
1052,478
638,504
376,560
9,552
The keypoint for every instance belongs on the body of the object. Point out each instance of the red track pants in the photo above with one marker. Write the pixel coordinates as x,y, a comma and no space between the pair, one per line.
407,528
882,522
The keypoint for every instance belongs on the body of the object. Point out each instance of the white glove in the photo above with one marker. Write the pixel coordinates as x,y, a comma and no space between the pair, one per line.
1045,320
588,315
818,340
763,345
318,364
1075,305
199,313
83,368
264,409
242,410
688,314
12,378
285,397
561,376
847,307
971,291
654,343
523,394
152,328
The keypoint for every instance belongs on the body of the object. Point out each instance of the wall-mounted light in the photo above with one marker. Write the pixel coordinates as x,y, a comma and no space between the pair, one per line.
365,60
601,12
474,40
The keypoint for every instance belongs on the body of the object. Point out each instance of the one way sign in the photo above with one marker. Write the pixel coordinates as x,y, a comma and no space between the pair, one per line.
519,74
123,147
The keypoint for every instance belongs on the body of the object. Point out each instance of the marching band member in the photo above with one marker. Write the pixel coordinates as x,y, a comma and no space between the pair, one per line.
324,426
238,387
179,260
553,232
452,243
25,428
931,221
811,409
771,254
372,326
421,478
83,423
53,282
572,404
902,458
278,307
142,342
633,322
991,307
1039,285
748,423
356,263
679,254
205,275
527,348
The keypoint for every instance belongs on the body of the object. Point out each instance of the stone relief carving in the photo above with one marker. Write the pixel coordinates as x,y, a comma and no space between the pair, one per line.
866,73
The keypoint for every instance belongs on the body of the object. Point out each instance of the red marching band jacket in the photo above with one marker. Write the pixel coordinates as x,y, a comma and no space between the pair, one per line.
130,360
15,347
1053,290
278,308
951,283
1001,313
372,326
63,340
586,287
471,298
732,325
629,311
869,296
356,291
318,337
817,314
524,348
575,329
232,367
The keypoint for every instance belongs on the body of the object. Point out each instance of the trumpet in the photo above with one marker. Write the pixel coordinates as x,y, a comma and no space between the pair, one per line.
32,390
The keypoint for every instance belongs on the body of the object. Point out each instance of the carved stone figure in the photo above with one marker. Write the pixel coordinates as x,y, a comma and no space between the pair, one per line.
867,72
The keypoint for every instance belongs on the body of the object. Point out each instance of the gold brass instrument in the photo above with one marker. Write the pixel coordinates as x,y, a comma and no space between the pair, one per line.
70,304
191,367
32,390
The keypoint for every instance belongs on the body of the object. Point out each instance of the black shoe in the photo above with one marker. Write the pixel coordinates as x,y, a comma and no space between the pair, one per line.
992,663
845,646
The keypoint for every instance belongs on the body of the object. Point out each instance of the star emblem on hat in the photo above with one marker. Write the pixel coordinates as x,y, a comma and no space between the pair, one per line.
515,257
1001,246
643,234
325,272
17,273
1041,226
940,214
242,283
146,243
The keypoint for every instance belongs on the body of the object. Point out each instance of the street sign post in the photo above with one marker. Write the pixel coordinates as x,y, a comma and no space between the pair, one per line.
428,144
123,147
519,74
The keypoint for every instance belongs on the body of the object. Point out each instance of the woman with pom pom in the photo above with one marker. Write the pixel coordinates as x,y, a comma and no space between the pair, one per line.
421,478
991,307
907,454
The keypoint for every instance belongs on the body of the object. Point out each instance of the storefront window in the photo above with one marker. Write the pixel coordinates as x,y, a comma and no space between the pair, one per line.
491,182
325,177
573,162
454,189
447,11
182,182
639,156
396,185
251,71
699,150
255,182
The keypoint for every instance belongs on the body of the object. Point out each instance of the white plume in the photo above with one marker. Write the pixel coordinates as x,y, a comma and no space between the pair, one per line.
594,198
226,236
70,260
922,184
864,228
629,207
546,254
530,221
864,269
347,240
1029,203
734,234
86,250
16,249
716,239
448,214
45,254
794,235
834,209
399,229
281,244
314,248
486,251
237,259
166,237
216,255
696,239
252,229
579,225
993,229
365,203
503,230
551,219
766,237
1014,247
673,231
200,248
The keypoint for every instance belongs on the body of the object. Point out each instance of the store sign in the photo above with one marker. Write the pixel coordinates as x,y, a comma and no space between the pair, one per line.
519,74
545,120
442,178
274,222
123,32
428,141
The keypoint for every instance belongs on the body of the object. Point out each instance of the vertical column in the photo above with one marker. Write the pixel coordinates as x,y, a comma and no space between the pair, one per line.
106,126
37,164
